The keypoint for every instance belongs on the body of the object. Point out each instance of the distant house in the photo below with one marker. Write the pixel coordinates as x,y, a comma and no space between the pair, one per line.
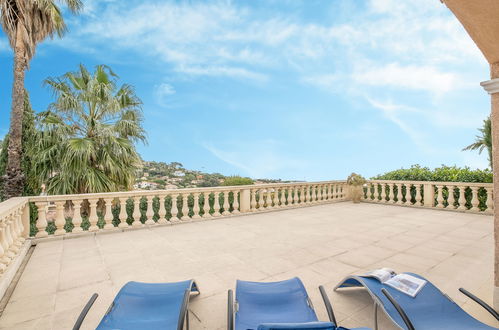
146,185
178,173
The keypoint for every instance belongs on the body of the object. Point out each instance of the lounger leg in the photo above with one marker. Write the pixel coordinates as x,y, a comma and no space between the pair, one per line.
187,319
375,316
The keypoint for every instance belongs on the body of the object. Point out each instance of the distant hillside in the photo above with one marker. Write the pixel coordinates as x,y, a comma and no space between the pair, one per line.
159,175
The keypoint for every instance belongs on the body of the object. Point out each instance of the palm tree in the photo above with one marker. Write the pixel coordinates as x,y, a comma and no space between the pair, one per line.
88,135
484,140
26,23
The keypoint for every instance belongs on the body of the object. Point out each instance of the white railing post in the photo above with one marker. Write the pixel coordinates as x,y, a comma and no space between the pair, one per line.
93,218
474,199
123,214
185,207
60,221
235,203
77,219
462,198
41,222
136,212
451,199
108,217
206,206
226,204
195,207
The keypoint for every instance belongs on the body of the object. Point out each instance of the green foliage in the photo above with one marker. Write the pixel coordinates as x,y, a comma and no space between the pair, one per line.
356,180
29,136
86,141
443,173
237,181
484,140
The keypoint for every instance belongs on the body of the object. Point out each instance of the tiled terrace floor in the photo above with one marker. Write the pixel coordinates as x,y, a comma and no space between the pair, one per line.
320,244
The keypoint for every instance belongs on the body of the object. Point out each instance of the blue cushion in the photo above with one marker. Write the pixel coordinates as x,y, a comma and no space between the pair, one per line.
301,326
272,302
146,306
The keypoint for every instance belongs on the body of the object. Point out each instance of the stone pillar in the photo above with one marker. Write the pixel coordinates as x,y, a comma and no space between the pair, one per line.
429,194
245,201
492,87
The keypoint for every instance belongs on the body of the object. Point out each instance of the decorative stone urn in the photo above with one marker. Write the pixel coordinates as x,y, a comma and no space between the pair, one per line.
355,184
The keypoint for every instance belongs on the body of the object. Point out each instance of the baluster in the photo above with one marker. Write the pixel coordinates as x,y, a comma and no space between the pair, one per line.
16,229
308,197
93,217
216,204
7,255
383,193
195,207
206,206
235,203
108,217
296,198
60,221
226,204
474,200
253,200
12,249
400,196
136,212
4,260
278,197
162,211
19,228
375,192
391,197
366,196
185,207
123,214
174,210
450,198
418,195
319,193
440,197
41,222
462,198
313,194
270,195
150,211
490,201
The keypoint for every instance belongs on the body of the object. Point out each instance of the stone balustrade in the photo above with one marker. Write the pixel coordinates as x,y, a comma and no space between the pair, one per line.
459,196
73,214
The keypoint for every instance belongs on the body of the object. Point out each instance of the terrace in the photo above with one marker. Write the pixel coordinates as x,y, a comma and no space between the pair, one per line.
261,233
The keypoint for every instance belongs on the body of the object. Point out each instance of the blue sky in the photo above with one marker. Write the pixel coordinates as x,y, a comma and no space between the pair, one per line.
291,89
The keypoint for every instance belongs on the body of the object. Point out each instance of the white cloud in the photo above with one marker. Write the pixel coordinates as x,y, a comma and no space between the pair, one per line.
162,92
270,162
425,78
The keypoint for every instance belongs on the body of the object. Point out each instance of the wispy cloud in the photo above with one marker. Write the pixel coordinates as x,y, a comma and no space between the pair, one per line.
269,163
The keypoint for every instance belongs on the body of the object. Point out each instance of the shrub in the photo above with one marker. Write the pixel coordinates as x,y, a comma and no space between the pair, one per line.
237,181
443,173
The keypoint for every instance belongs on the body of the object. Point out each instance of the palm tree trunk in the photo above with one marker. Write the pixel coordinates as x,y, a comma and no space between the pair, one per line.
14,178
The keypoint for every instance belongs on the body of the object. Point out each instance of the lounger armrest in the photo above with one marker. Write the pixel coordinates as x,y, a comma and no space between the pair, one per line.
230,310
327,303
399,309
298,326
480,302
84,312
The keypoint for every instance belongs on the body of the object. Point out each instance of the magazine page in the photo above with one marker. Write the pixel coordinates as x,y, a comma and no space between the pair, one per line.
382,274
407,284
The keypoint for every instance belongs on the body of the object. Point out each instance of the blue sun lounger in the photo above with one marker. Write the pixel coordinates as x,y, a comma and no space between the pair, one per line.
429,309
146,306
275,306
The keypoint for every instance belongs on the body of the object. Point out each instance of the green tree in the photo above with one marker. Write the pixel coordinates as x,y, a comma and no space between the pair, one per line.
28,141
26,24
237,181
88,135
484,140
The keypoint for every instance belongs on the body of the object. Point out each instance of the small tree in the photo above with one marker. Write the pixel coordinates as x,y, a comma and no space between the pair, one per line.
484,140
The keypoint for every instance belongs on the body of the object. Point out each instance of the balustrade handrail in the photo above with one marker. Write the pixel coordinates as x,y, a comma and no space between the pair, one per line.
145,193
436,183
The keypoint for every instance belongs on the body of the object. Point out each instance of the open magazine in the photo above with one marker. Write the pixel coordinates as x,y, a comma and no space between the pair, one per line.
408,284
